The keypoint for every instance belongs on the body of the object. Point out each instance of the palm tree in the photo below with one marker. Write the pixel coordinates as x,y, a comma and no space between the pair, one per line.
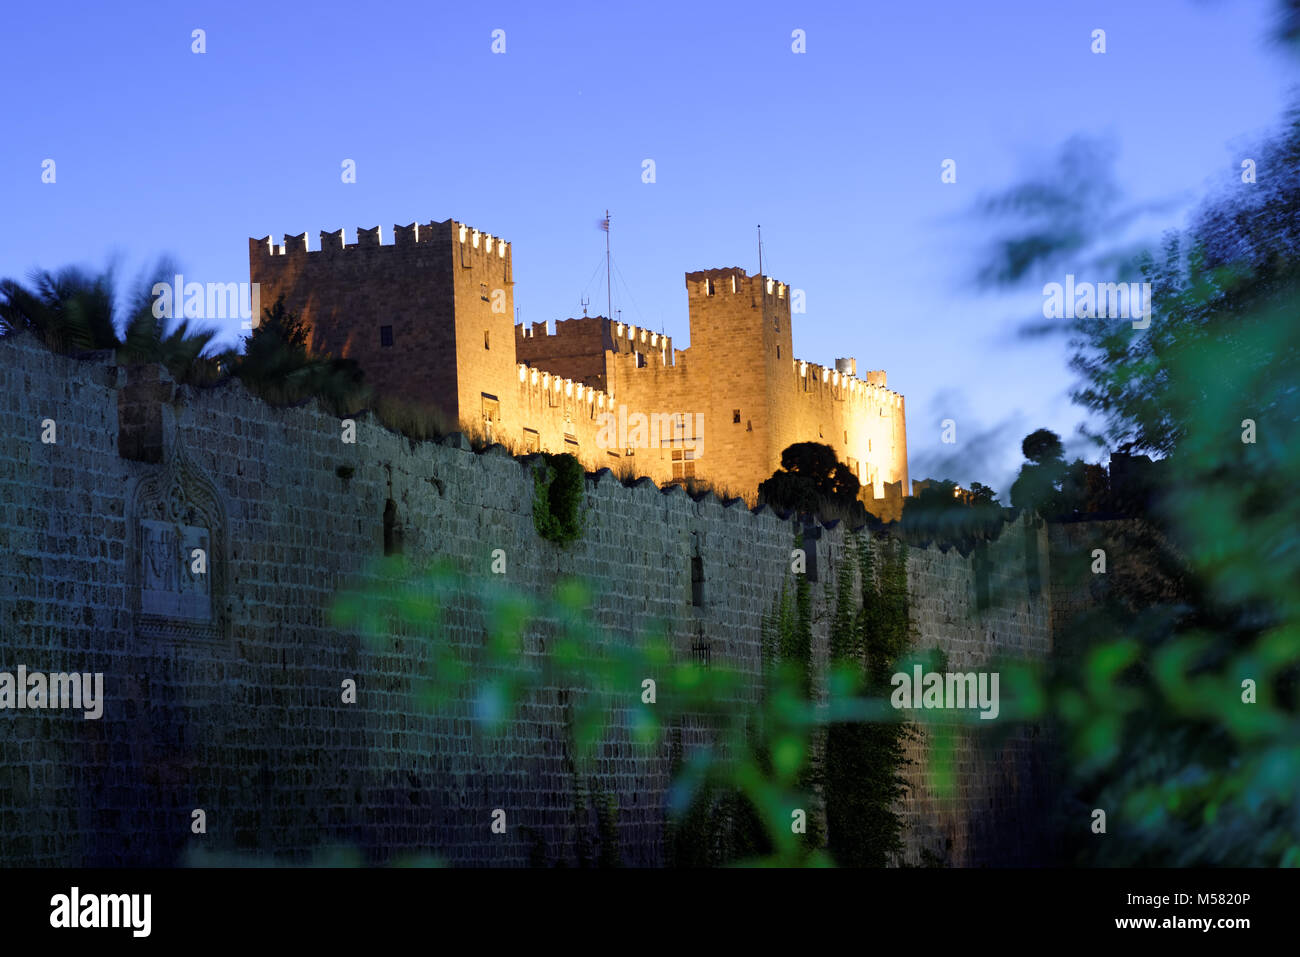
70,310
73,310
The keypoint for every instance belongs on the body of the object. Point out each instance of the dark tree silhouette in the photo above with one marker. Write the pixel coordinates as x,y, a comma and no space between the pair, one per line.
810,477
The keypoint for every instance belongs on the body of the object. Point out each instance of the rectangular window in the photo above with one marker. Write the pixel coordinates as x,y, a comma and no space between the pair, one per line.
640,360
708,287
697,582
385,336
486,340
735,416
532,441
683,464
491,415
571,444
483,292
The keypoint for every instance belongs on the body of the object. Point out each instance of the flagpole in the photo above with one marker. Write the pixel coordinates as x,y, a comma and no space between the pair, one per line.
609,294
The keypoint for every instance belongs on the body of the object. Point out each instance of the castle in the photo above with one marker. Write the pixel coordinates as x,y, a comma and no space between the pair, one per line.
430,318
224,691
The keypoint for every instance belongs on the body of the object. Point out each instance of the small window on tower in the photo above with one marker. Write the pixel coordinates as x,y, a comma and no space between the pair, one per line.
385,335
778,352
735,416
483,292
491,415
640,360
532,440
709,289
487,341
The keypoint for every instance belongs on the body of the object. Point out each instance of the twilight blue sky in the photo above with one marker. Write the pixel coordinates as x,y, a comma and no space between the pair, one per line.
836,152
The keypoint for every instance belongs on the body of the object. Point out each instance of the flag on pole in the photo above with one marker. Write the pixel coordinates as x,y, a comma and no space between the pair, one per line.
604,224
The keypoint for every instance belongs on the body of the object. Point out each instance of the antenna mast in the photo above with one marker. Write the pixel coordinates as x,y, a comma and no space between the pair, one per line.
609,292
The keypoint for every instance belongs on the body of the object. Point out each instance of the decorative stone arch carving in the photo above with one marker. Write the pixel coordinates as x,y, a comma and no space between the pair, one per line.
170,513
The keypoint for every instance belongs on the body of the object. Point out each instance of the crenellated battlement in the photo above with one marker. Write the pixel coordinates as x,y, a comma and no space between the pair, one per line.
629,339
812,377
589,333
556,390
733,280
473,242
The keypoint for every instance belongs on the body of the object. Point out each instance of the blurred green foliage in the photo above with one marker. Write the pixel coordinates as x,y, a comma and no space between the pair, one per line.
757,739
1152,703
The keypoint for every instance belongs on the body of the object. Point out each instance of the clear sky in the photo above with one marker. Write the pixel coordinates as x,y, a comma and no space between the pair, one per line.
837,152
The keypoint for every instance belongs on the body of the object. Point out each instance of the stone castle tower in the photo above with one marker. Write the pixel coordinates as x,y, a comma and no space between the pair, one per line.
430,320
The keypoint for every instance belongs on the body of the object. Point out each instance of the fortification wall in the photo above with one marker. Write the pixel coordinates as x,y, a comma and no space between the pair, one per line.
993,605
241,715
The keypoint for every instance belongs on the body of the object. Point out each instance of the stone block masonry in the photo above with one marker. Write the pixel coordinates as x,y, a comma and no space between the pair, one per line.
223,693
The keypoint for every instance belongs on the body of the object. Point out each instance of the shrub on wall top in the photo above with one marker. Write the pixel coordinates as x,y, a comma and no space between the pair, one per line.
557,496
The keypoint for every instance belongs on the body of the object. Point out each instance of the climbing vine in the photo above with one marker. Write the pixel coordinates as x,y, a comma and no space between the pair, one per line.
863,762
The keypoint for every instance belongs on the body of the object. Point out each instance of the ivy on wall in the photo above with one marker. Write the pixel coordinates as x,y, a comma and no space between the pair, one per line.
863,763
